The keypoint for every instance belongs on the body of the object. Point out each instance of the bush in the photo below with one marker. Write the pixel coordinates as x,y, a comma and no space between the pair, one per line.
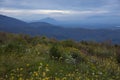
101,52
67,54
14,47
56,51
77,55
69,43
118,56
73,55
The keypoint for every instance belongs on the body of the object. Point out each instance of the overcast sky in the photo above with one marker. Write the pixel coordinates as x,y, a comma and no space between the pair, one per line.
60,9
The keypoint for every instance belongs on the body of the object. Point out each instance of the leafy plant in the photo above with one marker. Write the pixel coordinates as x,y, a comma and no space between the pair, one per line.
56,51
101,52
118,56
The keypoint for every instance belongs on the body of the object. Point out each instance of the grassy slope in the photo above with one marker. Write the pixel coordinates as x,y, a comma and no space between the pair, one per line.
28,58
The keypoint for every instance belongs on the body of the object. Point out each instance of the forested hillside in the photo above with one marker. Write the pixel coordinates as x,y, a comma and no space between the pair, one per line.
23,57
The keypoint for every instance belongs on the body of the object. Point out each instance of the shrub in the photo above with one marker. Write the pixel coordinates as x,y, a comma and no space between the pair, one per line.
101,52
2,49
69,43
67,54
118,56
14,47
78,56
73,55
56,51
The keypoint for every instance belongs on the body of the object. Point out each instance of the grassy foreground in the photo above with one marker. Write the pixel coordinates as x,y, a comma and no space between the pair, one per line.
38,58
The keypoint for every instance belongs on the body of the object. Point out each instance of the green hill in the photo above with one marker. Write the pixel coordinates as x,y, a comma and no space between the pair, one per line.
23,57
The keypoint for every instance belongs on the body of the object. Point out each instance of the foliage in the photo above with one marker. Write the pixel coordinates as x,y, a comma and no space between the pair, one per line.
118,56
101,51
38,58
68,43
73,55
56,51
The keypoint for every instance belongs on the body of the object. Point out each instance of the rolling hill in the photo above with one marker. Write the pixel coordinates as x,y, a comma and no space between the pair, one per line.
13,25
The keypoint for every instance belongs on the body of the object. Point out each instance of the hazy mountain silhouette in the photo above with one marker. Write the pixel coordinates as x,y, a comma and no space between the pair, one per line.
47,20
11,22
94,22
13,25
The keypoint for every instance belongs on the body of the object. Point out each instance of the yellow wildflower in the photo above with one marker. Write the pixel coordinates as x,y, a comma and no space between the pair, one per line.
27,65
44,74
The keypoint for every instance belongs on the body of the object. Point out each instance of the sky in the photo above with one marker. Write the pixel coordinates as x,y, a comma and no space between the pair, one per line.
64,10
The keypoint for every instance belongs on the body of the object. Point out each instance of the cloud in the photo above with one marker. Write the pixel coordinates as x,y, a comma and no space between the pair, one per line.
59,14
42,11
37,11
63,9
58,4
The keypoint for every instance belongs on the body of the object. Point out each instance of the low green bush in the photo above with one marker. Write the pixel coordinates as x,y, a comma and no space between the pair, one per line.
76,55
118,56
101,52
56,51
14,47
66,54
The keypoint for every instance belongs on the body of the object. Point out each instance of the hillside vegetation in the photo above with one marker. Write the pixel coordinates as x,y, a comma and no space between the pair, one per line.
23,57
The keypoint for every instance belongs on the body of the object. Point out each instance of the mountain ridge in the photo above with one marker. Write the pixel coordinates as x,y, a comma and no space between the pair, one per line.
58,32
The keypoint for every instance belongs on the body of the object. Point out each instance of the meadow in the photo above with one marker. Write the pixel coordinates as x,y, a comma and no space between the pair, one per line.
23,57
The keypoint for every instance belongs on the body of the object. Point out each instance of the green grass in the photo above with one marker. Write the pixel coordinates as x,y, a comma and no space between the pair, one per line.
30,59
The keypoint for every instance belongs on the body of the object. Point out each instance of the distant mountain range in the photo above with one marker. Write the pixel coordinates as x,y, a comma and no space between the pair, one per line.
9,24
96,22
50,20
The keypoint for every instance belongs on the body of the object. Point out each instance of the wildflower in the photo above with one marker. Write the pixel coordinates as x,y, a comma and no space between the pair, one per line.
47,70
69,75
44,74
35,73
21,75
56,73
60,58
17,69
47,65
76,70
41,64
20,78
100,73
12,78
21,69
64,78
27,65
47,78
39,67
93,73
57,78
